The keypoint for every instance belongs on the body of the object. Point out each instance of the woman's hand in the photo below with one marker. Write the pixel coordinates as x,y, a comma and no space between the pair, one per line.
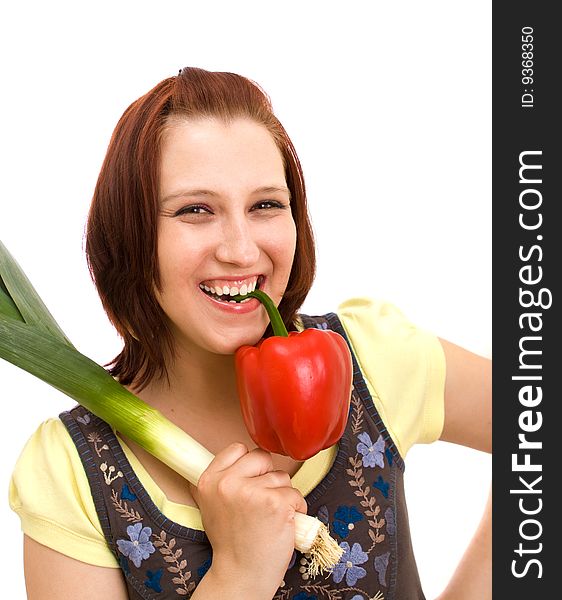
248,511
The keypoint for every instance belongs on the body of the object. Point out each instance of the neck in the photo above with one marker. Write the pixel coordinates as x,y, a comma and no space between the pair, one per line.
199,386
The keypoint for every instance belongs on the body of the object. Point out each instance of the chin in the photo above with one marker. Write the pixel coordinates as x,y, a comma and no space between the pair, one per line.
228,347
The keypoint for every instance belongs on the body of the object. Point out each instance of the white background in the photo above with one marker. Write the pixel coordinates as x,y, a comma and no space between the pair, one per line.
389,106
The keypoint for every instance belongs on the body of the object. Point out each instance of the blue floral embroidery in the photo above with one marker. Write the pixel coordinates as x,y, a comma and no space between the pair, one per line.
381,564
204,567
153,581
357,597
348,564
126,493
389,456
322,325
390,522
139,547
305,596
345,518
382,485
372,453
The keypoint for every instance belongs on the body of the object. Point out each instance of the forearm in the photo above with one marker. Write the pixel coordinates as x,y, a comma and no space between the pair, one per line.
472,579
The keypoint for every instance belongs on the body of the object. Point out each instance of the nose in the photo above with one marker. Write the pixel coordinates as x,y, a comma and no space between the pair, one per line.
237,244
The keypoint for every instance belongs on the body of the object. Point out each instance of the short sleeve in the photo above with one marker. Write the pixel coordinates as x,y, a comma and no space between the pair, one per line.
403,367
49,491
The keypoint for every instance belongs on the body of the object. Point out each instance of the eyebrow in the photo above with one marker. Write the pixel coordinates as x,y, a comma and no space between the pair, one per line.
266,189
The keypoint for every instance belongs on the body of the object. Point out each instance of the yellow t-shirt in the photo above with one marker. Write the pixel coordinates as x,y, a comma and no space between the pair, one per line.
403,367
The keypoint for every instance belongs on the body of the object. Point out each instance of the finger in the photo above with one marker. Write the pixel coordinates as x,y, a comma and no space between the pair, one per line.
228,456
293,498
302,506
278,482
276,479
255,463
233,464
221,462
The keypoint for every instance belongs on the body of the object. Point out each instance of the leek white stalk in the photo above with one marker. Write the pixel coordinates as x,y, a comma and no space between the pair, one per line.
31,339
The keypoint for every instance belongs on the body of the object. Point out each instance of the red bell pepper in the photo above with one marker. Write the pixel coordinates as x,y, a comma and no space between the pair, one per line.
294,388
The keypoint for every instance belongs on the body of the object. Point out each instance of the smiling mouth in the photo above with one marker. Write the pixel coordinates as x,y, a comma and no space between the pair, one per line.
227,298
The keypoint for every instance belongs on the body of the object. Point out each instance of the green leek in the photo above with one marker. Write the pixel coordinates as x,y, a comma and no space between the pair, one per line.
31,339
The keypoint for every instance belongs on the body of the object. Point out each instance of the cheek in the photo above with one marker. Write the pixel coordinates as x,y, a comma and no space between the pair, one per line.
283,241
179,251
168,266
165,251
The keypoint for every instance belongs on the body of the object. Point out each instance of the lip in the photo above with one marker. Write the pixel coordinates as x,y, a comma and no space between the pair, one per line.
237,308
235,278
232,308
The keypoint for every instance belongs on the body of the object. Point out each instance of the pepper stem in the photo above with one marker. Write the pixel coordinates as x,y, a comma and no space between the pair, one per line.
277,324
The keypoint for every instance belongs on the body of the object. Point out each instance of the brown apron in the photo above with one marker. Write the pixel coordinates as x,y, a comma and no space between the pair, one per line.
361,499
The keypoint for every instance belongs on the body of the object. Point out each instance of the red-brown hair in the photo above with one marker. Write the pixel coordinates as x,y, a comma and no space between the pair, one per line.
121,230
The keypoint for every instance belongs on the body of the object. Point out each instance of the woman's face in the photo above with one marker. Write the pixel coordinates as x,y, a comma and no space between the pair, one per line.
225,224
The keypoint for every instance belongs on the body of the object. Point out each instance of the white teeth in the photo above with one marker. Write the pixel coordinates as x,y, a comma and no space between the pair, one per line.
230,291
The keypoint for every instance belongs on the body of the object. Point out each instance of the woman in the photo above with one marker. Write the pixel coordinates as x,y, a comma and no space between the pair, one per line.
201,197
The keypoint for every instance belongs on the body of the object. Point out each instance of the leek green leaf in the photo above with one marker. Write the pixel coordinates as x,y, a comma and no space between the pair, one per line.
7,305
18,288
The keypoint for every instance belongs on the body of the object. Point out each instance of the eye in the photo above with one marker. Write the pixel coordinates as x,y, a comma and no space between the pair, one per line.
267,204
192,209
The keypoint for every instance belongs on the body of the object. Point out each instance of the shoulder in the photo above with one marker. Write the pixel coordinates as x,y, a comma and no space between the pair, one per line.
49,453
403,365
377,316
50,493
379,330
